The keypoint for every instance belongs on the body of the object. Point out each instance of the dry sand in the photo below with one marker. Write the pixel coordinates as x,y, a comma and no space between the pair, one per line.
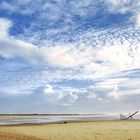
94,130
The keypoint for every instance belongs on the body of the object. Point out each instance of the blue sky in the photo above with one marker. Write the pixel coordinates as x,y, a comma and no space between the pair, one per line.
69,56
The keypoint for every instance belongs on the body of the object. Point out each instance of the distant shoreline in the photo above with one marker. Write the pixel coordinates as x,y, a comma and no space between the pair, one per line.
35,114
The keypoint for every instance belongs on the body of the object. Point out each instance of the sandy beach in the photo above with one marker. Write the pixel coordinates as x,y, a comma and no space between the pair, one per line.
93,130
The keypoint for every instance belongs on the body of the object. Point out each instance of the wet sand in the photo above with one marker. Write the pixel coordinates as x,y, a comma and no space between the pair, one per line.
81,130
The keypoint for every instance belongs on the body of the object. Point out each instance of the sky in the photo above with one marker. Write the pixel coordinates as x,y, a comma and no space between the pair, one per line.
69,56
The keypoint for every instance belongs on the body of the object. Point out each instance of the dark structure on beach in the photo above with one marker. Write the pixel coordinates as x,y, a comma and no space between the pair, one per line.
123,117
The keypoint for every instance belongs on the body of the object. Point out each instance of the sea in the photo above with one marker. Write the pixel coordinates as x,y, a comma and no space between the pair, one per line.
37,119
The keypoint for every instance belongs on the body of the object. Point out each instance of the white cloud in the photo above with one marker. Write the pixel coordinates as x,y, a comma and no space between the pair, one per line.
120,87
4,27
119,6
110,83
91,95
125,6
11,48
9,7
59,56
66,56
83,8
66,10
114,94
63,95
18,7
83,59
16,90
48,89
137,19
95,55
69,99
121,94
